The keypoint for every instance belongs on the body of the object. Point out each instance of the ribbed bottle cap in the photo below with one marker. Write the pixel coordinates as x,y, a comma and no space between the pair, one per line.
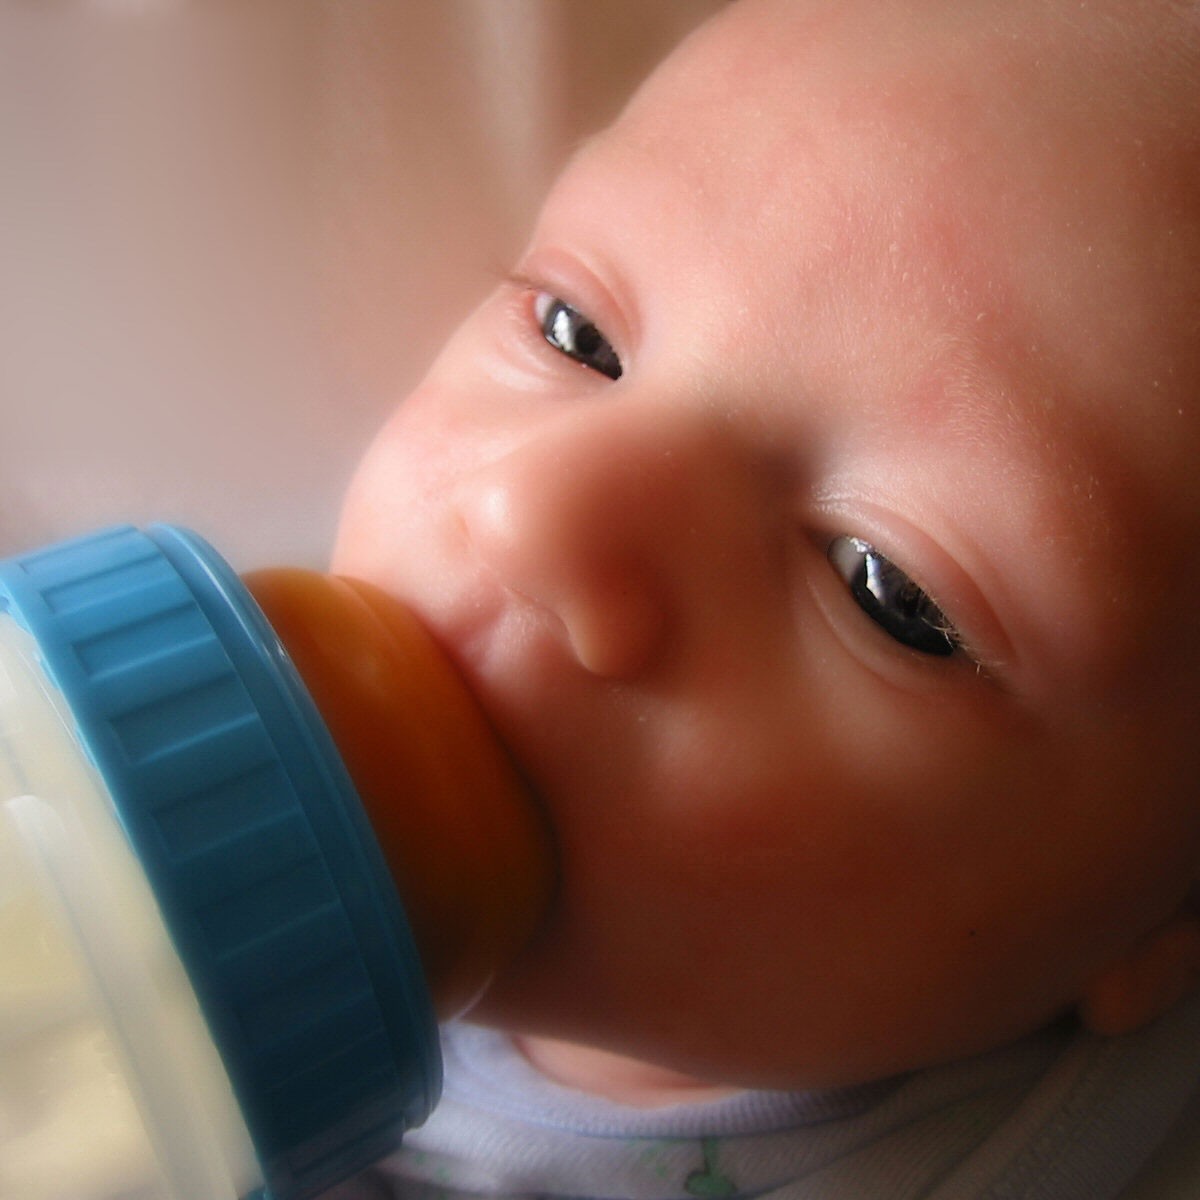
269,878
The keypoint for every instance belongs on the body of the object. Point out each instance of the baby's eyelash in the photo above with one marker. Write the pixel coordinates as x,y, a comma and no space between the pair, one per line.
523,282
896,602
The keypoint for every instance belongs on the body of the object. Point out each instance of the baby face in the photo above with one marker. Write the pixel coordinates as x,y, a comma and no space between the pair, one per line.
806,512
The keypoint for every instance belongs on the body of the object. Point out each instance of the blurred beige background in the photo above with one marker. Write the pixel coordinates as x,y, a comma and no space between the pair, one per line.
232,234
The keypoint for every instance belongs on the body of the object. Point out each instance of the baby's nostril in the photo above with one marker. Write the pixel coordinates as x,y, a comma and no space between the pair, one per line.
615,632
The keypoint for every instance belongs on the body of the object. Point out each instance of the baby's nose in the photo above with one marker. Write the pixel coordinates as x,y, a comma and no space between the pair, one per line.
603,519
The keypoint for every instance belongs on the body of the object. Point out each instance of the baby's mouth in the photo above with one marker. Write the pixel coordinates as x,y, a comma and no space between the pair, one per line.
463,835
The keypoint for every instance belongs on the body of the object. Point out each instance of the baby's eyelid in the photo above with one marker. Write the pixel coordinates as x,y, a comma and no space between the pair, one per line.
541,294
588,291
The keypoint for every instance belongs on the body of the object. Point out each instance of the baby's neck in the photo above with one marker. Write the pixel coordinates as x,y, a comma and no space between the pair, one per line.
615,1077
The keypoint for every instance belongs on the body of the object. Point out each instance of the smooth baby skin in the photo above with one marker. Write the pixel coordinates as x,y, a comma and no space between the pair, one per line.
923,276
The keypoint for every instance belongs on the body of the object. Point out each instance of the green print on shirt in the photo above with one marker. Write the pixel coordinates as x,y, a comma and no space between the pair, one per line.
709,1183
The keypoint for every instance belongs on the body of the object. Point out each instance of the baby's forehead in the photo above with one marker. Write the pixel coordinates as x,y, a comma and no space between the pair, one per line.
1005,141
1050,159
1116,83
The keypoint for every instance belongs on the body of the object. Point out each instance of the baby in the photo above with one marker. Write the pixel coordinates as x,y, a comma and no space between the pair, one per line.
813,511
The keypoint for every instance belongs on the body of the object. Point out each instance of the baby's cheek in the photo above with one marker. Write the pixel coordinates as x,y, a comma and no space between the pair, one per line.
384,499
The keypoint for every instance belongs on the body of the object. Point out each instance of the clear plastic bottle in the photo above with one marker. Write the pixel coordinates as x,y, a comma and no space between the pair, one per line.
255,838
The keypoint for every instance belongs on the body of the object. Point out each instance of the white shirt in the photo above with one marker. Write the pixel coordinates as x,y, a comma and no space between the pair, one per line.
1064,1115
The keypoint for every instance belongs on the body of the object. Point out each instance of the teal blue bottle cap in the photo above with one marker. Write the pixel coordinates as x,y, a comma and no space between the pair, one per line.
263,862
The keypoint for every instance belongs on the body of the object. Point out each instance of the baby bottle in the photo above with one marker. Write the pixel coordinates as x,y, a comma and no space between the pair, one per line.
255,838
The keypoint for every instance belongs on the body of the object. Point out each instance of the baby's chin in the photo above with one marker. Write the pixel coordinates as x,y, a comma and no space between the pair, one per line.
616,1077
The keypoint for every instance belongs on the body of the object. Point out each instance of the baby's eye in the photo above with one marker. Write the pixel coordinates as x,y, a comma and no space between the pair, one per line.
891,599
572,333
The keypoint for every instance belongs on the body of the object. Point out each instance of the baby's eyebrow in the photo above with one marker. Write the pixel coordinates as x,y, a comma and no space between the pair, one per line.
975,396
1058,499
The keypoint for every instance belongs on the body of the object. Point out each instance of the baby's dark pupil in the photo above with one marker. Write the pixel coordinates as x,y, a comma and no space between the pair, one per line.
587,339
569,331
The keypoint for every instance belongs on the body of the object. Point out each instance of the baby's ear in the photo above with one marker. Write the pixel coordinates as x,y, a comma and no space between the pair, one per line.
1147,979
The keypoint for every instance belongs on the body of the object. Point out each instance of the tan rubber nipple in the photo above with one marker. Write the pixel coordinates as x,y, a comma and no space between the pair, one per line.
465,843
